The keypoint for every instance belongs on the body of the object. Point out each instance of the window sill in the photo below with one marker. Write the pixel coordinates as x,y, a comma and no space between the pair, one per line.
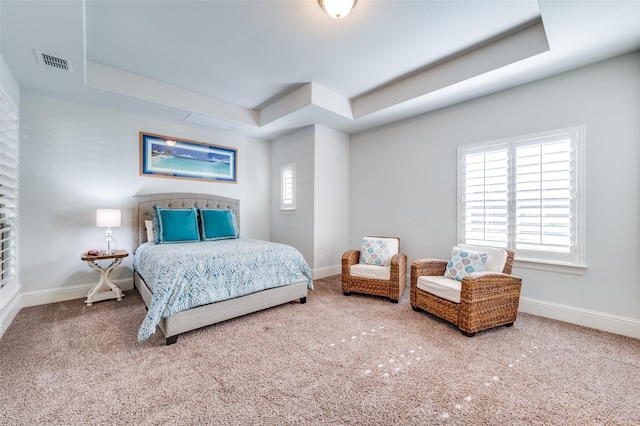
287,211
549,266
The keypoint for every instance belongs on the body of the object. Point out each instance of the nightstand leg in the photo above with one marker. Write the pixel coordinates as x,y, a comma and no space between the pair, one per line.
105,289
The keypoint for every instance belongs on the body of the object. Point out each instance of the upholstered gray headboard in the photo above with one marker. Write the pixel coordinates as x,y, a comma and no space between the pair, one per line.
142,208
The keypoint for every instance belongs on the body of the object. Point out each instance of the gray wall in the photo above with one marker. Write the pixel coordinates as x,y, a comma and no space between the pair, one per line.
294,227
76,158
320,223
403,182
331,192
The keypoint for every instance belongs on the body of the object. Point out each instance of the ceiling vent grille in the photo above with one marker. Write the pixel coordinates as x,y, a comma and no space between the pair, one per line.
205,120
52,61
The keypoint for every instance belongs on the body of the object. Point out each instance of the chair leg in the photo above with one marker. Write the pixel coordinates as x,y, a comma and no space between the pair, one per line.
509,325
466,333
415,308
346,293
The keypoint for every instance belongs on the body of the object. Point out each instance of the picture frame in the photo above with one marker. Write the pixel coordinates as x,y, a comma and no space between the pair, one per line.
168,157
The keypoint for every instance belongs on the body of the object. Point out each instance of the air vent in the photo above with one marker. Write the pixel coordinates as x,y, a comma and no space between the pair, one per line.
52,61
205,120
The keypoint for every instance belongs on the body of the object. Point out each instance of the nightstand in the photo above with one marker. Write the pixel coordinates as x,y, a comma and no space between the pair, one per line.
105,289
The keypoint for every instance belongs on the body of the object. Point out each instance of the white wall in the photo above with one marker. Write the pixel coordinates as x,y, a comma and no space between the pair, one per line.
77,157
403,182
294,227
9,83
331,192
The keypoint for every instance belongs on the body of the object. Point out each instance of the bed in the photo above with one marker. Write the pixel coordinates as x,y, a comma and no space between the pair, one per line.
171,308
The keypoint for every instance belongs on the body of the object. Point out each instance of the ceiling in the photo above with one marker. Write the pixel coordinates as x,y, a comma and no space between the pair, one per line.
266,67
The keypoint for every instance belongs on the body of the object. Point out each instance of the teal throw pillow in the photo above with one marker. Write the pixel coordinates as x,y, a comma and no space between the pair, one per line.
216,224
177,225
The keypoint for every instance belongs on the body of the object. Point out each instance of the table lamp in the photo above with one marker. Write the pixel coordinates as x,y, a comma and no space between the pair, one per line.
107,218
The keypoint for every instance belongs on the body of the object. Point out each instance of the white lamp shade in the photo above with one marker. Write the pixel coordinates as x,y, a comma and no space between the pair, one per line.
337,9
106,218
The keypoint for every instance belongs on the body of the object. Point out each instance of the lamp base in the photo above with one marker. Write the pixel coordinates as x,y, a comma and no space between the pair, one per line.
109,244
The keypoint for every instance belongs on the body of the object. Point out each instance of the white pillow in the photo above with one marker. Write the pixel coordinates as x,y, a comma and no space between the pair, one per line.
378,251
496,260
148,225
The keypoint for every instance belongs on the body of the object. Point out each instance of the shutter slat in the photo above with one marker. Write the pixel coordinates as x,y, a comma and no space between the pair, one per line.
486,197
543,191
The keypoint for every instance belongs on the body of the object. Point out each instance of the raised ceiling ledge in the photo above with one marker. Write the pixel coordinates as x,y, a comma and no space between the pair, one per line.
308,94
115,80
292,110
524,42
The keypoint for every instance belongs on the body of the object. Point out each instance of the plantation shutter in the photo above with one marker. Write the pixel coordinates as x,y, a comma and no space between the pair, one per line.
523,193
486,195
545,192
8,188
287,201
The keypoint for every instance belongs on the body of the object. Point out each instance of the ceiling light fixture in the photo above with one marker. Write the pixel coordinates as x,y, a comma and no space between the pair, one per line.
337,9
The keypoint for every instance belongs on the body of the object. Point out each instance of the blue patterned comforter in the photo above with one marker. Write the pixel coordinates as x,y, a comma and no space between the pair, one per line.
183,276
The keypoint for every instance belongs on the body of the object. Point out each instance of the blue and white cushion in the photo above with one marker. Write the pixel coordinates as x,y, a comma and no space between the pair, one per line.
378,251
464,262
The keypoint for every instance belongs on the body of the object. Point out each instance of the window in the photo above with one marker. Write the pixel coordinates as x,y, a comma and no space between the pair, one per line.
8,188
287,187
524,193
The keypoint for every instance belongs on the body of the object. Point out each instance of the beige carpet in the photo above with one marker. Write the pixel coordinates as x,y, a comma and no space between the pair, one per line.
337,360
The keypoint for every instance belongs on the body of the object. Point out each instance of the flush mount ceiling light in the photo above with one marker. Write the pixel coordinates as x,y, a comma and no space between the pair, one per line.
337,9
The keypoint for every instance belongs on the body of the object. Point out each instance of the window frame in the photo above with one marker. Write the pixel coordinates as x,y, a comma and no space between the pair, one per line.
572,262
288,204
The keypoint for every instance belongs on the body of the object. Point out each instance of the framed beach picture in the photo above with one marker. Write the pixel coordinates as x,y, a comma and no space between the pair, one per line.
164,156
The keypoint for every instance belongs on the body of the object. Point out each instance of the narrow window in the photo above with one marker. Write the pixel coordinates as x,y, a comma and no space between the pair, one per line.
287,187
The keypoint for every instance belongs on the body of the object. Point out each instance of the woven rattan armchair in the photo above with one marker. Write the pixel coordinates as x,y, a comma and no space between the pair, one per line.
487,299
391,288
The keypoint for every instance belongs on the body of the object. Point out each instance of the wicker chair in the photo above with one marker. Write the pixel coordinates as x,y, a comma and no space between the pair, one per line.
487,299
391,288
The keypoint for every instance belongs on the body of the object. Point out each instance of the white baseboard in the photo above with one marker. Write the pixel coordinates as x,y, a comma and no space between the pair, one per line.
9,306
326,272
601,321
584,317
43,297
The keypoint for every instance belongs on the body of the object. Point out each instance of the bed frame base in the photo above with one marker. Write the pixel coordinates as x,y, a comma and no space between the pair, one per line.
213,313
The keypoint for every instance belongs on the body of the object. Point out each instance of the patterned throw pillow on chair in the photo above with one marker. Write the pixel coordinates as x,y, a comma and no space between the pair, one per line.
464,262
378,251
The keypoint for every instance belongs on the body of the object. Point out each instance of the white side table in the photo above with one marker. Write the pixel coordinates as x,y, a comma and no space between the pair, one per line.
105,289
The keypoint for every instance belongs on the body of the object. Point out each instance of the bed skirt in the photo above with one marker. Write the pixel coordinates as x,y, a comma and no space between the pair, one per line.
213,313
